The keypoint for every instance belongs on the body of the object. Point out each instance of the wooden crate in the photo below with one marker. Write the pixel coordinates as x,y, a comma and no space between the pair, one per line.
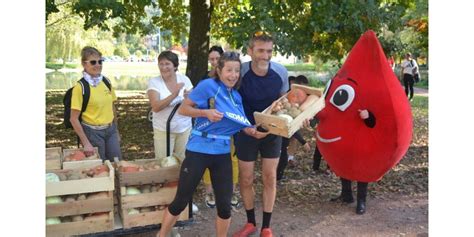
53,158
280,126
79,207
90,162
162,197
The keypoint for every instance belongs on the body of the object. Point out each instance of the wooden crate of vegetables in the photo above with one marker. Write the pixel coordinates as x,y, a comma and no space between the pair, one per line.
76,159
286,115
147,187
80,201
53,158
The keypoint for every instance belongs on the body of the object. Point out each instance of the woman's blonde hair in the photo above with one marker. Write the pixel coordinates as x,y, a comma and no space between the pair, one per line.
88,51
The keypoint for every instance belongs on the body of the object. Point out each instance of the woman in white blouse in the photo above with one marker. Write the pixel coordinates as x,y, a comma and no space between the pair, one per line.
164,93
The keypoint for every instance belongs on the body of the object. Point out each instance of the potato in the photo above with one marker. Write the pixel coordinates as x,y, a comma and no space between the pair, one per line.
97,195
154,188
145,188
294,112
70,198
77,218
62,176
74,176
145,209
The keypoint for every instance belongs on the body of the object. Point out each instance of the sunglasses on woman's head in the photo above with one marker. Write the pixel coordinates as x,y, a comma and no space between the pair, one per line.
94,62
261,33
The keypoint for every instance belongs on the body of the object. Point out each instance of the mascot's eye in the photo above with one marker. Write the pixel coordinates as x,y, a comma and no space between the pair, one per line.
328,84
343,97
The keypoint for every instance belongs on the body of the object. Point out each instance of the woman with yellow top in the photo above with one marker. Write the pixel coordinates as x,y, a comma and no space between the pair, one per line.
97,125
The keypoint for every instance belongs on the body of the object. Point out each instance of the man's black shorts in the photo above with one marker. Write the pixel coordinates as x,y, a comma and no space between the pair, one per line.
247,147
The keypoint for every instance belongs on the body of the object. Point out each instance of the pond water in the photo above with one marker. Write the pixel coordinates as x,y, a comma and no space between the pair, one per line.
63,80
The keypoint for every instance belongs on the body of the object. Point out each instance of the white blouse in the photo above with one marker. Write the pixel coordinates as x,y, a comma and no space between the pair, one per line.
179,123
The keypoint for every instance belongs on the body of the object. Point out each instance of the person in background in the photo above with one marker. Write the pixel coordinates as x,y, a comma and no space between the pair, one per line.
263,82
317,156
391,62
165,92
408,69
215,52
98,127
209,143
287,145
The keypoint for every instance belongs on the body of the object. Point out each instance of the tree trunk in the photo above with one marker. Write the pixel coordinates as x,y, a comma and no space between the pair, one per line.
198,47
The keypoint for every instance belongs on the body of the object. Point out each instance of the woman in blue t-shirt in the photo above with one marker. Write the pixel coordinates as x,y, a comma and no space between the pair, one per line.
209,142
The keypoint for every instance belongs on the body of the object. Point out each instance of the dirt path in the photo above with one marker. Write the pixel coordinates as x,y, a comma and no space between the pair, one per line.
420,91
395,215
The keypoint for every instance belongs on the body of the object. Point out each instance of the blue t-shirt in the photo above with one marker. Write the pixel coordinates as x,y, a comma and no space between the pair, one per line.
259,92
228,102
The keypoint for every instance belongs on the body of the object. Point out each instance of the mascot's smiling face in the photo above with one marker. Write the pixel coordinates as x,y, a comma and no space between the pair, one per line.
352,149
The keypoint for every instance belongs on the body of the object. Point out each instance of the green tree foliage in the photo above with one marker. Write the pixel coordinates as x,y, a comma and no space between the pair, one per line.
324,28
138,53
63,35
302,27
122,51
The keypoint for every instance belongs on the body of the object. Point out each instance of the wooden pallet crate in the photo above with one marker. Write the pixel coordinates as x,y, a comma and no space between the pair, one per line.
280,126
89,162
80,207
53,158
163,197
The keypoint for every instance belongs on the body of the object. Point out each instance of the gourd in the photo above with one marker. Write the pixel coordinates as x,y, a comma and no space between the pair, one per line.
53,200
52,177
296,96
310,100
132,211
132,191
53,220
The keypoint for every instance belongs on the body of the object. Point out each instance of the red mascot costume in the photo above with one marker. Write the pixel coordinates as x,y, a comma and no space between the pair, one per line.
364,149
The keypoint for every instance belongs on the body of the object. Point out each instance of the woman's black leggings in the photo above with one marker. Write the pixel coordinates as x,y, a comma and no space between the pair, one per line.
408,81
192,170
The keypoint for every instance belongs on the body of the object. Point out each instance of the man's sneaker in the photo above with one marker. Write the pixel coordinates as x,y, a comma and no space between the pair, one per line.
247,230
235,200
266,232
210,200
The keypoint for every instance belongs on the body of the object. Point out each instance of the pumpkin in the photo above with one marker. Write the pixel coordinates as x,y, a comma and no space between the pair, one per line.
171,184
296,96
99,169
309,101
77,156
126,169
